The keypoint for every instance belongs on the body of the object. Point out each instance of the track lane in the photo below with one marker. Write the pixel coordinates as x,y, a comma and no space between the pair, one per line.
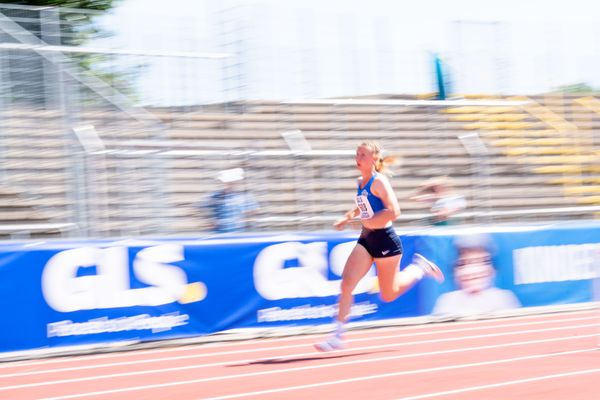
199,371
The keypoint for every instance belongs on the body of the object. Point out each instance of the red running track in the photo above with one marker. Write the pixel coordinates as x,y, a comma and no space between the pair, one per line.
546,356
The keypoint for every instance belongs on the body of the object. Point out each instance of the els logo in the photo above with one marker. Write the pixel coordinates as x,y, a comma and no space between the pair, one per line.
310,278
110,287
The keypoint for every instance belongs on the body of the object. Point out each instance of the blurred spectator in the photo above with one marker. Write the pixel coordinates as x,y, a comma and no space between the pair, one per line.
231,206
443,202
474,276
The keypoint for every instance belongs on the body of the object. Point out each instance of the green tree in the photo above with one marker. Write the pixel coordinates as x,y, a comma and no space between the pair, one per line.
100,5
76,27
580,87
29,71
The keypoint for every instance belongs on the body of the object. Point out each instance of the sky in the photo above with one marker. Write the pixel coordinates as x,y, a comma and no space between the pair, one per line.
311,48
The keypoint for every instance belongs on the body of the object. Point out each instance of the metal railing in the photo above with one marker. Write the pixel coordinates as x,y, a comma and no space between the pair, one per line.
42,76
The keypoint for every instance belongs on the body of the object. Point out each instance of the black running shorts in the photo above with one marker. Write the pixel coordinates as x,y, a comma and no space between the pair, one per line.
381,243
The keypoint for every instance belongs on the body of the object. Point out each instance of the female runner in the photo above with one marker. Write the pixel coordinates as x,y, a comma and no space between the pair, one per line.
377,207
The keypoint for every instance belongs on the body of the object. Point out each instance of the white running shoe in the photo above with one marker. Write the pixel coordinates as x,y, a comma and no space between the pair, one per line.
332,343
429,267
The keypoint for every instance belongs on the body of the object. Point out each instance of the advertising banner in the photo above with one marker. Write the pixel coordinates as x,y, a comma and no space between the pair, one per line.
61,293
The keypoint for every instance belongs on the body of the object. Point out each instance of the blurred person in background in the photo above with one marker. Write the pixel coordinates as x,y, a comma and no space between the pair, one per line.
230,206
377,207
474,275
444,203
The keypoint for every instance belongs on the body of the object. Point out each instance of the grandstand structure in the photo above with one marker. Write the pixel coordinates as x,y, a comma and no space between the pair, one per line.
79,158
110,175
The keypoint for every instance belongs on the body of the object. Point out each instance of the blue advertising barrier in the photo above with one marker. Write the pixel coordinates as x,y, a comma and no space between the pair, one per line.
63,293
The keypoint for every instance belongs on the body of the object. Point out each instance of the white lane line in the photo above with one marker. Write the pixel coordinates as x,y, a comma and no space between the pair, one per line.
501,384
302,345
430,330
285,370
326,383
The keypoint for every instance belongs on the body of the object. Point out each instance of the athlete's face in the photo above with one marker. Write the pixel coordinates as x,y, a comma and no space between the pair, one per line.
473,271
365,159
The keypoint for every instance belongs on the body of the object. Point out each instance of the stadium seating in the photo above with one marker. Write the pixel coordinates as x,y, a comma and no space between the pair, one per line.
146,180
564,145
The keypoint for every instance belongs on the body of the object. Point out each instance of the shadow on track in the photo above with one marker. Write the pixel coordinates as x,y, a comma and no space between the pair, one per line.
325,356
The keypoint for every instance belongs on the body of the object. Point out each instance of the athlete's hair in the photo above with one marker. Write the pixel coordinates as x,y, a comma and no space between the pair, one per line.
381,162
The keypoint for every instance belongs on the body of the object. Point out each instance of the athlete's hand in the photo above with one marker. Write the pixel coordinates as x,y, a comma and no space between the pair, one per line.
340,224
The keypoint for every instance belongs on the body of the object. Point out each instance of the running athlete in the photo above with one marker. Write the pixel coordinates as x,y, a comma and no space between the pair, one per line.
377,207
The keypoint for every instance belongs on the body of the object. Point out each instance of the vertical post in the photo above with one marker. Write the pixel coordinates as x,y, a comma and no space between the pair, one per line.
161,200
299,146
96,173
232,39
59,94
76,190
50,34
4,93
439,76
480,172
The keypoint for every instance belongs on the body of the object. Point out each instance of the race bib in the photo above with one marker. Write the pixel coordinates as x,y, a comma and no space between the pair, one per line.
364,206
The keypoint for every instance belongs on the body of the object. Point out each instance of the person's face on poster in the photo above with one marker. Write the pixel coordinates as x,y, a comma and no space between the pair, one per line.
474,271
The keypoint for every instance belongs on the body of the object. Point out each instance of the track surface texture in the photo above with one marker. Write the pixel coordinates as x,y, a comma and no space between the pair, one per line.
543,356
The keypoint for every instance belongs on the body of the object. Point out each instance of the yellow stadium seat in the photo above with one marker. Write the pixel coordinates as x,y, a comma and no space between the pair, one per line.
551,141
500,110
426,96
558,169
514,142
504,117
498,125
545,150
524,151
564,159
510,142
576,180
512,133
582,189
589,200
465,117
479,96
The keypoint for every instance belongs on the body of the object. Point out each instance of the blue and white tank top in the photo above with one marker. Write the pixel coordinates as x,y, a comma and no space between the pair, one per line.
367,202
